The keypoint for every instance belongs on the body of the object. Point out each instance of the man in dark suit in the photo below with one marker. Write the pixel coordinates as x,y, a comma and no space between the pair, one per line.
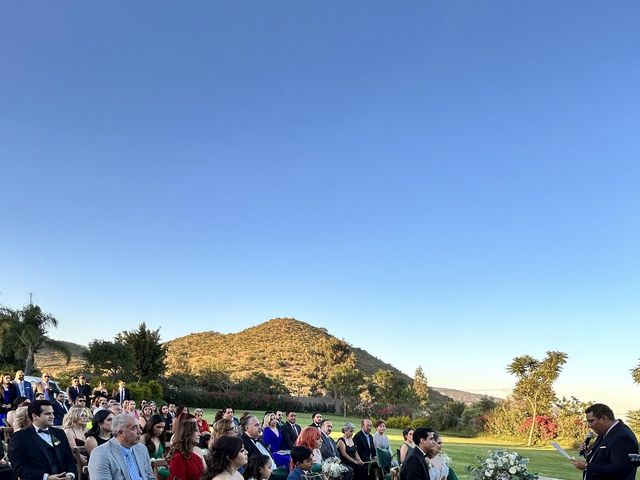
84,387
60,408
364,441
289,431
316,420
608,459
365,447
415,466
40,450
24,386
74,390
255,446
121,393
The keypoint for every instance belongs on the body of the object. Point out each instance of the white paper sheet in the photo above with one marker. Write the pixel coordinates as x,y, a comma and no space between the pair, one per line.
561,450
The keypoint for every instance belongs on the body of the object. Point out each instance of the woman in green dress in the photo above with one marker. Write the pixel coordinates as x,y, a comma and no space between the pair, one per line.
152,438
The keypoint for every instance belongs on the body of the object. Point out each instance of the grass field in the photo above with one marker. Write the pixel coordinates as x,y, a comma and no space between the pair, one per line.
544,461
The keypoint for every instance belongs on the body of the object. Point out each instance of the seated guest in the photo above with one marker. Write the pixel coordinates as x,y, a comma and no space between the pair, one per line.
31,459
255,446
181,412
21,420
381,441
223,427
116,408
8,393
408,444
153,438
185,460
271,436
100,431
74,389
100,390
302,459
329,449
226,456
311,438
60,408
81,401
349,453
11,414
258,468
74,425
316,420
203,428
145,414
122,454
168,420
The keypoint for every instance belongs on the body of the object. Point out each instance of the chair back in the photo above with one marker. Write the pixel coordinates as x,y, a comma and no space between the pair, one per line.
384,458
157,464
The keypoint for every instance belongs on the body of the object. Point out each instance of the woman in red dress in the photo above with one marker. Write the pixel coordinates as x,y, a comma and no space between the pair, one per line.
186,461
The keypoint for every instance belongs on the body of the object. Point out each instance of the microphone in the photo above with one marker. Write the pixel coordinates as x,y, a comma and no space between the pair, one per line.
587,439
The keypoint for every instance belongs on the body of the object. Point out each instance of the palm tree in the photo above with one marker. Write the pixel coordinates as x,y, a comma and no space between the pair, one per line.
24,332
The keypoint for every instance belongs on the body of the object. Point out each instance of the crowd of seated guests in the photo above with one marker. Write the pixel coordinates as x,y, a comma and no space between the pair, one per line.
272,446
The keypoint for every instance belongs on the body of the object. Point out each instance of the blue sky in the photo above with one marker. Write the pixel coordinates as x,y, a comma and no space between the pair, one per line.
449,184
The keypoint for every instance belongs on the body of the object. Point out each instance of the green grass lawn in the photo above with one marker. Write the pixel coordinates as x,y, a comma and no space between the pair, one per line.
544,461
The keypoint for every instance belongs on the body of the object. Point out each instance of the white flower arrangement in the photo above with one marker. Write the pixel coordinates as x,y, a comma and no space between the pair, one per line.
332,468
500,465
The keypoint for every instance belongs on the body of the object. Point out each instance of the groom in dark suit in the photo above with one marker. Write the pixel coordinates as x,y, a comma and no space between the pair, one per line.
415,466
608,459
40,450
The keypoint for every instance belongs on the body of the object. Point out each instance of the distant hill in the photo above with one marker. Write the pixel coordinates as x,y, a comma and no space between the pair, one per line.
271,348
55,363
460,396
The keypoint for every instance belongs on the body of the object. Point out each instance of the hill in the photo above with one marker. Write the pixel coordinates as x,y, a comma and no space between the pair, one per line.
270,350
54,362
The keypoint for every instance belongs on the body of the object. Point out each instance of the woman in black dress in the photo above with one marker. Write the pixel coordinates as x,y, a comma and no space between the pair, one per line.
349,452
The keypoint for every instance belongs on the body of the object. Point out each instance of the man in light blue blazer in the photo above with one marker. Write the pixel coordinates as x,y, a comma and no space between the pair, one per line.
122,457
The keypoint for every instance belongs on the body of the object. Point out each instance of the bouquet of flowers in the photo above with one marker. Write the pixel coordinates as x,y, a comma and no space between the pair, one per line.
500,465
332,468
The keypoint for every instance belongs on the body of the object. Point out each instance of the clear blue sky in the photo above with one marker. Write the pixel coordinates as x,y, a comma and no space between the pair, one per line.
450,184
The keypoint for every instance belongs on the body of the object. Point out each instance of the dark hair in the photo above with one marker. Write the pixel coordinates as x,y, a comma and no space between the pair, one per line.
147,431
16,403
380,422
98,419
221,453
218,416
36,407
600,410
422,433
314,414
325,421
406,431
300,454
290,412
254,465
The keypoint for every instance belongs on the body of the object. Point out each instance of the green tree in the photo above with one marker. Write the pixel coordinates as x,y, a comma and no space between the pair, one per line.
25,333
420,387
259,382
344,382
633,420
214,378
103,357
148,353
323,356
534,386
389,387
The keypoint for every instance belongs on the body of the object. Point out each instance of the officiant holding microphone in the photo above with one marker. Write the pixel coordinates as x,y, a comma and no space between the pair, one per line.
608,457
